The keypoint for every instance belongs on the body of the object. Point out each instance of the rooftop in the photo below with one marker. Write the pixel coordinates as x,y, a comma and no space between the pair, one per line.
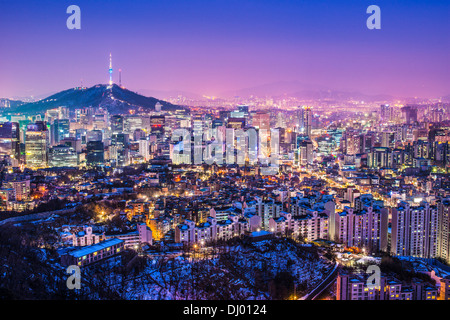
95,247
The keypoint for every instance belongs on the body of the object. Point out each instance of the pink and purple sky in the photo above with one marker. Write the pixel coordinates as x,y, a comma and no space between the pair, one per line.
212,46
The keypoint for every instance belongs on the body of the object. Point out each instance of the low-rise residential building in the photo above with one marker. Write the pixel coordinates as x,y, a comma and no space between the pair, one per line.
213,230
87,237
134,239
93,253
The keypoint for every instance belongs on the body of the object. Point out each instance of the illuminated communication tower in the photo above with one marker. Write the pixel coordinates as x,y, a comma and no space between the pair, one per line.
110,70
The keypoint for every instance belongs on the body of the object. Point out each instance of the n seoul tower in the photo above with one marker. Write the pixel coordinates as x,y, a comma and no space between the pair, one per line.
110,70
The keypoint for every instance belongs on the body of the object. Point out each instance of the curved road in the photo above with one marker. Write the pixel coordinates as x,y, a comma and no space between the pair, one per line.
323,285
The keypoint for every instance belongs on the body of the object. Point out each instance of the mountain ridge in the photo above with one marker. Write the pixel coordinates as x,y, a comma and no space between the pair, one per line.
117,100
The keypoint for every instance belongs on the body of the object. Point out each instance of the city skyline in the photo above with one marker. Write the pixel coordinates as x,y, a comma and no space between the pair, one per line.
225,47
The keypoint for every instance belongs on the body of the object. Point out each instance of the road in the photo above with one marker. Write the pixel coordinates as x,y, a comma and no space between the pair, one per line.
323,285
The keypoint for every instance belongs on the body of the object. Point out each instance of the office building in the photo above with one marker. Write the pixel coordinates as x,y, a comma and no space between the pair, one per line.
95,153
63,156
36,145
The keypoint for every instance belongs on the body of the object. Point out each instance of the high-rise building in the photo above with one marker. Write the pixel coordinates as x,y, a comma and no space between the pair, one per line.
144,148
359,286
444,229
415,230
305,153
94,135
120,143
445,288
267,209
364,228
409,114
380,158
20,184
305,120
244,109
388,139
138,134
116,124
236,123
62,156
100,119
261,120
60,130
95,153
10,140
132,122
36,145
56,113
386,113
157,125
352,143
72,142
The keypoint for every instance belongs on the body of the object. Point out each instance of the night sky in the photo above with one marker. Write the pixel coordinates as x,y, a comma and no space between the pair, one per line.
212,46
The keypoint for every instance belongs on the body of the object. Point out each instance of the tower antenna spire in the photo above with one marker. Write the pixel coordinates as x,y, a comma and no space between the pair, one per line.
110,70
120,77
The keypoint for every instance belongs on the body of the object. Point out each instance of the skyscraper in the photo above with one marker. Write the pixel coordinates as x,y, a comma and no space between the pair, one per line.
36,145
144,148
94,153
119,142
410,114
157,124
444,229
415,230
388,139
60,130
305,121
133,122
385,113
116,124
305,153
261,120
10,139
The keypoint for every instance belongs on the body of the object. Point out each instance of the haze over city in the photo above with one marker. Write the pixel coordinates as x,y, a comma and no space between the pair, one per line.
216,48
